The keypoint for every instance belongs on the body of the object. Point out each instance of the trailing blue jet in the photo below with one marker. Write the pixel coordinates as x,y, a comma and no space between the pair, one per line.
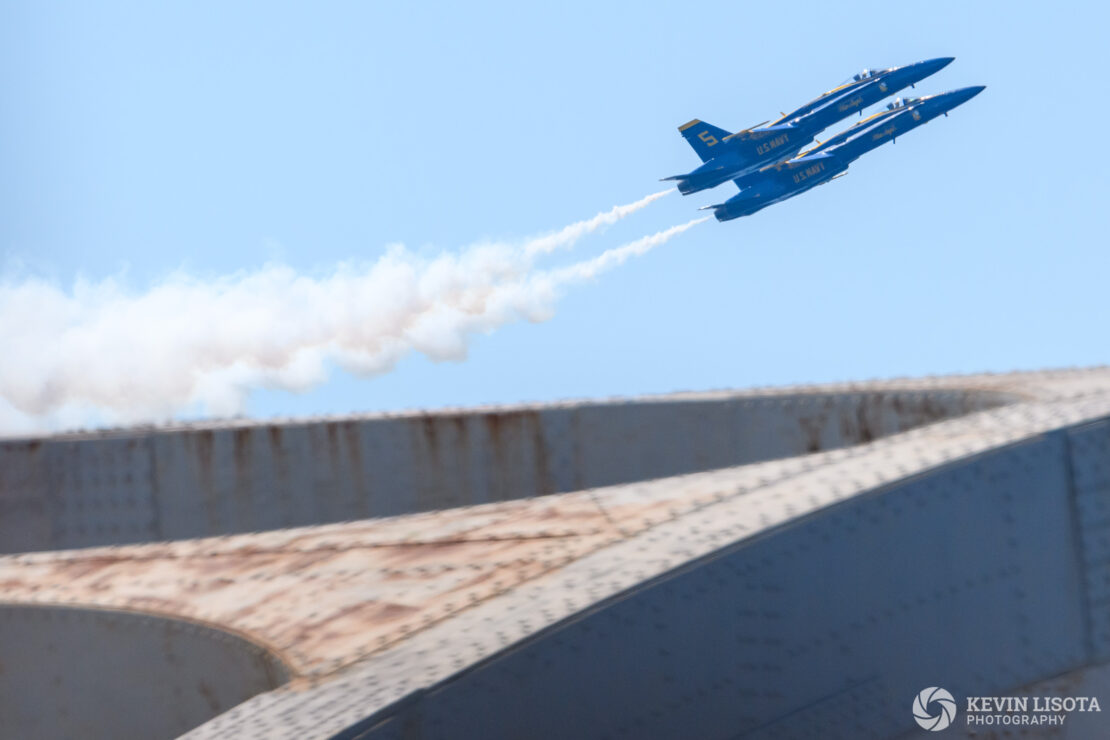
830,159
727,156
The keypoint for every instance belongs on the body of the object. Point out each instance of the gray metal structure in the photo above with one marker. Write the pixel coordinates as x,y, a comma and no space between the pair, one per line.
845,547
78,672
126,486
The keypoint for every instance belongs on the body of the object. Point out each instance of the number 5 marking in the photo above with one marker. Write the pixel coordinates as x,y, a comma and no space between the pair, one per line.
708,138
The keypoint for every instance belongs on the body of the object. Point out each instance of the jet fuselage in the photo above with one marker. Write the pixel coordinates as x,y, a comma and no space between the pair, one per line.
729,156
819,165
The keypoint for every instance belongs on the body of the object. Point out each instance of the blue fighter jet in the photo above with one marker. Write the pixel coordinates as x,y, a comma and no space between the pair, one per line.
829,160
728,156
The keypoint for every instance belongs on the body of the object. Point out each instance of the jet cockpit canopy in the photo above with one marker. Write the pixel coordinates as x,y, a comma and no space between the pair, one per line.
866,73
901,103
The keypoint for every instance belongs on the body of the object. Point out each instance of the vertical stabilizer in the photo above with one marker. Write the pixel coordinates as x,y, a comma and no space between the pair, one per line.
705,138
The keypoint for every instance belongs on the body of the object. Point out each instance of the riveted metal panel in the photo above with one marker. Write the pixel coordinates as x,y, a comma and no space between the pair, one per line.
964,578
120,488
1089,458
102,490
27,504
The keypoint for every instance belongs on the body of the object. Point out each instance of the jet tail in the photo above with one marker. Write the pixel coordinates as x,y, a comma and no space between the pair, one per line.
703,137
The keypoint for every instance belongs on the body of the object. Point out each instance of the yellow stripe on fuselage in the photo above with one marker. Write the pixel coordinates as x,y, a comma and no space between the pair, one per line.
823,95
841,87
872,117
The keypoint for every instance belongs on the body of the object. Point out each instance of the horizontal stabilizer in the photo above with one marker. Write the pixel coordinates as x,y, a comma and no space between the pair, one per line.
673,177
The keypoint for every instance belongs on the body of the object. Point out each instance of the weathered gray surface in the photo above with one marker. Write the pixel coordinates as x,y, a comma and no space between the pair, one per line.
116,488
84,673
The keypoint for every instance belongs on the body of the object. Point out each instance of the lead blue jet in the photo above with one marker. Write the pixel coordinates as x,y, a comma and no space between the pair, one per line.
728,156
830,160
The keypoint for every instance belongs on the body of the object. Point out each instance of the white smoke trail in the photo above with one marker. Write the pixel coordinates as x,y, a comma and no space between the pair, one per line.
570,234
619,255
104,354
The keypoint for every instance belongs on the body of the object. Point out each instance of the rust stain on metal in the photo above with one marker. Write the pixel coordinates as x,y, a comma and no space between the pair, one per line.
509,434
493,423
863,426
543,475
242,447
358,470
811,430
324,596
243,492
335,457
428,425
205,442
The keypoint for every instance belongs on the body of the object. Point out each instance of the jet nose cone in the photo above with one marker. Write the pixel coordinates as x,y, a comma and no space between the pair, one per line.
932,66
965,94
950,100
918,71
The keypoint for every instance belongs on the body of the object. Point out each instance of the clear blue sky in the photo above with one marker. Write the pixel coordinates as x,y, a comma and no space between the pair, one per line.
142,138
